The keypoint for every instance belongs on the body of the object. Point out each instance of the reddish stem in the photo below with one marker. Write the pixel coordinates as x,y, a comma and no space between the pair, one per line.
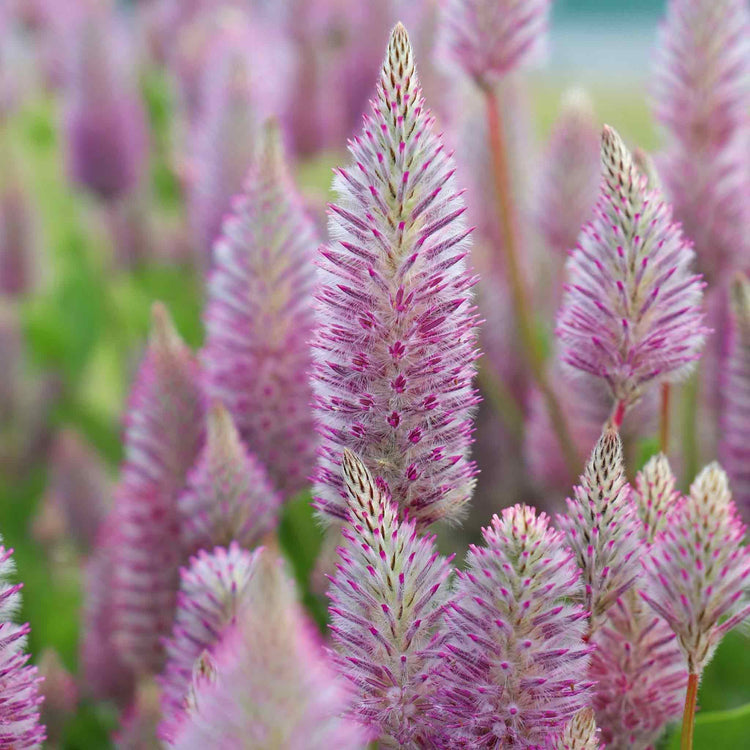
664,419
618,414
688,717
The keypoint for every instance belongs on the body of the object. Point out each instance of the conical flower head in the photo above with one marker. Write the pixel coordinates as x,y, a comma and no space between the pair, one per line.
20,697
631,311
491,38
164,428
734,448
395,347
270,684
228,495
211,592
515,658
386,598
639,673
699,569
655,496
580,733
601,527
259,320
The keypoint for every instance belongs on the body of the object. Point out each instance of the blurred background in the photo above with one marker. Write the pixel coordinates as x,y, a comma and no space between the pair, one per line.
125,128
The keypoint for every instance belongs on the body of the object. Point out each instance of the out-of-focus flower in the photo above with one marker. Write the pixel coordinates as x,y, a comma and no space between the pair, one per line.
698,569
164,428
639,673
734,446
260,318
20,694
17,257
386,599
601,528
702,99
396,344
60,694
211,592
631,312
491,38
106,127
580,733
655,496
270,684
228,496
515,658
139,721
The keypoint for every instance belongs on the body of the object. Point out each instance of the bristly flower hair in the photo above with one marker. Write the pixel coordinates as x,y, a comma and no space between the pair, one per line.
734,447
269,682
212,591
491,38
20,694
515,658
163,432
655,496
228,495
631,313
601,527
396,344
580,733
386,599
698,569
259,320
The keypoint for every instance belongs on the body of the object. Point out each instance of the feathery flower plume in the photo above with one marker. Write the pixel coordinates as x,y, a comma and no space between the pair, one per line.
516,660
631,311
702,100
580,733
491,38
20,698
601,527
734,447
655,495
228,495
386,598
211,592
60,695
395,348
698,569
269,684
163,432
259,320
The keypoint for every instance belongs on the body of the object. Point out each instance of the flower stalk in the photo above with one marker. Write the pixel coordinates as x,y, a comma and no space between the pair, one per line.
688,717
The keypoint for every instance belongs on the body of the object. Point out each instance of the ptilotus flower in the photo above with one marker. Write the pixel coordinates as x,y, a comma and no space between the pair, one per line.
491,38
639,673
702,100
698,569
395,347
228,496
734,447
106,132
580,733
211,592
655,495
19,689
164,427
259,320
60,695
515,656
270,683
386,598
631,311
601,527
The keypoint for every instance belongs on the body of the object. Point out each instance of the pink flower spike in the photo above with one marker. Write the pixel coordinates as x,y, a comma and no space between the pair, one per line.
164,429
384,633
631,314
60,695
396,344
211,592
228,495
580,733
515,658
698,569
601,527
259,320
655,496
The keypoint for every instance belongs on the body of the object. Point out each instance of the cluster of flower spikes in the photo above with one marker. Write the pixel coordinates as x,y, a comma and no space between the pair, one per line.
386,600
19,688
515,659
698,569
164,430
631,310
396,344
259,319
